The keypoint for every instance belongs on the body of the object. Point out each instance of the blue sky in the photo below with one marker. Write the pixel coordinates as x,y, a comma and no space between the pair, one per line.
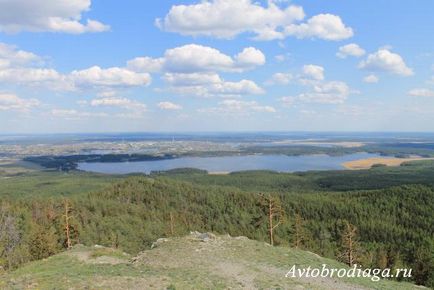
217,65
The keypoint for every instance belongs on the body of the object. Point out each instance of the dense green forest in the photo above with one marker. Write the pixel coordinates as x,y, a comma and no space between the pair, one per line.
415,172
384,148
394,223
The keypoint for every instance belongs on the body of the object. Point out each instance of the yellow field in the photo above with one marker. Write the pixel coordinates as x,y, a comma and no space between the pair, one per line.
367,163
218,173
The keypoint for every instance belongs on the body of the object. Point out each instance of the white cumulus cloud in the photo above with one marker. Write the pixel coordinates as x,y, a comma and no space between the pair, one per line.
209,85
250,57
314,72
371,79
351,49
119,102
386,61
25,68
47,15
323,26
279,79
198,58
10,56
229,18
169,106
35,77
334,92
71,114
11,102
191,79
318,89
419,92
192,69
146,64
194,58
239,107
110,77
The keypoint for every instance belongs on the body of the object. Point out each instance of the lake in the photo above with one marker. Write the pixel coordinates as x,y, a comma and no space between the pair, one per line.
280,163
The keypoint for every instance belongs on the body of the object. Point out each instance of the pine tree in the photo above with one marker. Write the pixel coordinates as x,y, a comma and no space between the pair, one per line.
299,232
325,247
43,242
382,260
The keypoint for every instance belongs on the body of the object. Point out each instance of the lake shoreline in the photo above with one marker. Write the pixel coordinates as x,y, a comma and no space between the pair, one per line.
226,164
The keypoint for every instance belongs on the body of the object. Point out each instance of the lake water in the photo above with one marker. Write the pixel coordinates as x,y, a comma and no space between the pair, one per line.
281,163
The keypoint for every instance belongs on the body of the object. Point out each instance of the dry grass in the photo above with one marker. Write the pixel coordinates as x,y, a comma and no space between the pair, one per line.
369,162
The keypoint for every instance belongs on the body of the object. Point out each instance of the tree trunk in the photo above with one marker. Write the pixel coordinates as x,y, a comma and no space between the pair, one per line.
350,251
270,221
172,232
67,226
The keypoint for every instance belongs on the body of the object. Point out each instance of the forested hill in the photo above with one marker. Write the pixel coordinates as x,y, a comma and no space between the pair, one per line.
394,225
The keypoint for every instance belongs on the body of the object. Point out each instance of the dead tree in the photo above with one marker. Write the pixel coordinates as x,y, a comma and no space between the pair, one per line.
10,237
274,213
350,246
67,217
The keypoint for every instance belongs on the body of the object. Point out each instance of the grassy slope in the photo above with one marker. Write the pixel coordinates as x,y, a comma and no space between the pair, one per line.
184,263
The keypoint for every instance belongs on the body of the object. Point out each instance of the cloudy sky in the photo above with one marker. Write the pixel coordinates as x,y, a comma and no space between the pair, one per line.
216,65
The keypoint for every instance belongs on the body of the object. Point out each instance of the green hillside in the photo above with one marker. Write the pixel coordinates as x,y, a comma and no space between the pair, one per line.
197,261
394,224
